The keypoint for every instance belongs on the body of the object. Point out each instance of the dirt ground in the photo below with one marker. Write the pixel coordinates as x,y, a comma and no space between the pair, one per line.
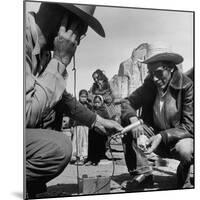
66,183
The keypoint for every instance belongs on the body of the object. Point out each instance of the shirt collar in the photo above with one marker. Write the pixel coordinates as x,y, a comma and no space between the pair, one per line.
177,80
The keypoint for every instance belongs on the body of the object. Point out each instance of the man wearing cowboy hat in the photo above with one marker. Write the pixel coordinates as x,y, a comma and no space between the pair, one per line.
166,99
58,27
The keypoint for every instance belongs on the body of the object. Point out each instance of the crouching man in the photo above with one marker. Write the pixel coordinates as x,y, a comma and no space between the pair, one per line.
166,100
58,27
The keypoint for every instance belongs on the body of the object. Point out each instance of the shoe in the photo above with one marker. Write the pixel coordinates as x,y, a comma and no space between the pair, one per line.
137,182
108,155
78,162
73,160
88,163
188,186
141,170
95,163
84,160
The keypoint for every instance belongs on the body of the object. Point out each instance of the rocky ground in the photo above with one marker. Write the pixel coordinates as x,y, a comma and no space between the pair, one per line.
66,183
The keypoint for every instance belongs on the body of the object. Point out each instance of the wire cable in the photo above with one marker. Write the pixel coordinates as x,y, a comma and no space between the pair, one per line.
113,170
77,167
119,134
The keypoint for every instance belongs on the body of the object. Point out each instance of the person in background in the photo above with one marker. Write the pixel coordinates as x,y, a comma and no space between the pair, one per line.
101,86
56,27
80,134
97,140
166,99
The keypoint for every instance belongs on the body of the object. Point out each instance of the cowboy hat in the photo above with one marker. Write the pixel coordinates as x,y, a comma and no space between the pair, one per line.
85,12
161,52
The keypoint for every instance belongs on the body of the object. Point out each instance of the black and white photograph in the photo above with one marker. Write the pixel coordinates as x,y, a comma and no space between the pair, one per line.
108,99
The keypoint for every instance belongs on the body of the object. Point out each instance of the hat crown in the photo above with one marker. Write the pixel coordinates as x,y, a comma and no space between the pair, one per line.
85,12
89,9
161,52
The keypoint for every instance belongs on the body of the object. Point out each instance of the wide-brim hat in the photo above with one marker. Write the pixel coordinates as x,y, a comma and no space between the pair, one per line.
85,12
161,52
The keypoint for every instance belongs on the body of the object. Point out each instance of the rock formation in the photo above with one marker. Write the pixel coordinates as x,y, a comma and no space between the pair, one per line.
131,73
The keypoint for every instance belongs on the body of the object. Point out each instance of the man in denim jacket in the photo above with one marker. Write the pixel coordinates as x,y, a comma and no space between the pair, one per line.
166,100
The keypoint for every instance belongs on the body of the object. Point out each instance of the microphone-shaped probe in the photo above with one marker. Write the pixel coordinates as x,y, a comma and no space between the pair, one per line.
128,128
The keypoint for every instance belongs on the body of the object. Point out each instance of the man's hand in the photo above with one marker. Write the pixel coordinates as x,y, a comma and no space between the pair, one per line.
153,143
67,40
141,142
104,124
65,46
136,132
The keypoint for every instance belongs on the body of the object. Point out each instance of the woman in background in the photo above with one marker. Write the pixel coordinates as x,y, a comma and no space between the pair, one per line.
101,86
97,141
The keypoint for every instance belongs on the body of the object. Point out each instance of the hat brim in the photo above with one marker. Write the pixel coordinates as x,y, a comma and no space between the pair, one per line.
171,57
88,19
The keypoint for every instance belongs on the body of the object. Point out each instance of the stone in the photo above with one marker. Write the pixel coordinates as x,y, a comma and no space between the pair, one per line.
131,73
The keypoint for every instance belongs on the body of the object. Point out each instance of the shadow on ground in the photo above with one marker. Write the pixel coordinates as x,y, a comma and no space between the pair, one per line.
162,181
166,181
65,184
59,190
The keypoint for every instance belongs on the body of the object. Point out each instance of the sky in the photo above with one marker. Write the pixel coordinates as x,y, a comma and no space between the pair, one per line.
125,29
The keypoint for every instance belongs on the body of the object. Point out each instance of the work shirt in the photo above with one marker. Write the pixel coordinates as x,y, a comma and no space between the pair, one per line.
46,97
42,91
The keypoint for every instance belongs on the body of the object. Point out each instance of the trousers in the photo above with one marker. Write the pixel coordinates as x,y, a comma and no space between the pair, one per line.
47,154
97,146
80,142
137,161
